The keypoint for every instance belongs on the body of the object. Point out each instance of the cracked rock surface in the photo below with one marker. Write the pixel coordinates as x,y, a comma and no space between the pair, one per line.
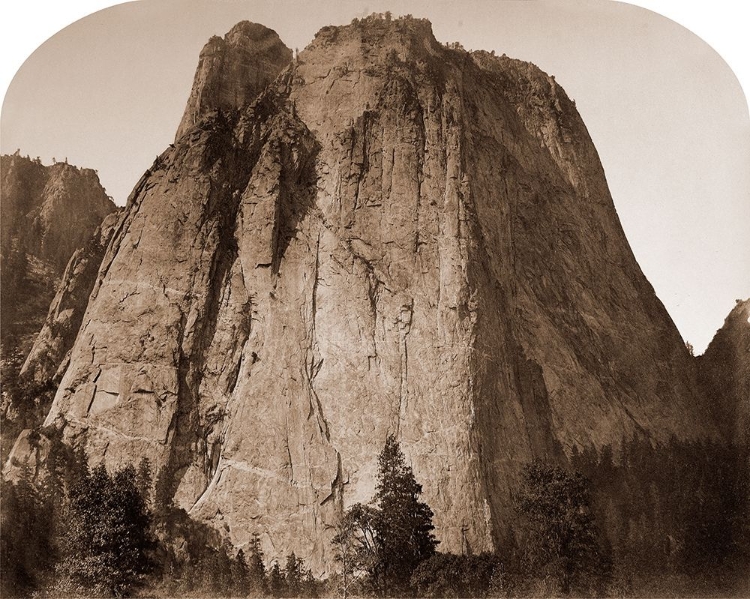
392,237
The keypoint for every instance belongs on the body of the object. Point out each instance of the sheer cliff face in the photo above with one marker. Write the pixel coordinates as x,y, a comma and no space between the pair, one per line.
395,237
725,374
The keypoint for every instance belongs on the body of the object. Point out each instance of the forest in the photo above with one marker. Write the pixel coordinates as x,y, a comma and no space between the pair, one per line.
648,521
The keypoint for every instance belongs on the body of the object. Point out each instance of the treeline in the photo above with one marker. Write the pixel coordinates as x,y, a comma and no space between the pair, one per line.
69,531
667,520
653,520
387,549
675,516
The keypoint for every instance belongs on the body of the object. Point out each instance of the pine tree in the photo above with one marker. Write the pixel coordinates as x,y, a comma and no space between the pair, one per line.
276,583
239,574
293,575
256,570
107,539
144,480
563,539
404,523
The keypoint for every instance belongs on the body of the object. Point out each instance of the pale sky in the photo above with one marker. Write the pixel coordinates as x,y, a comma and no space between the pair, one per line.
665,112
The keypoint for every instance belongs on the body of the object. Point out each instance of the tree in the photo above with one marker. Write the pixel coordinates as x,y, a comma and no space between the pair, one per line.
387,542
563,539
107,542
276,583
144,479
449,575
310,586
293,575
404,523
239,574
256,571
356,546
26,536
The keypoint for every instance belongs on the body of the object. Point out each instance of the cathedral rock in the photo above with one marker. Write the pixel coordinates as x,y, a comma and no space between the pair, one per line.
382,234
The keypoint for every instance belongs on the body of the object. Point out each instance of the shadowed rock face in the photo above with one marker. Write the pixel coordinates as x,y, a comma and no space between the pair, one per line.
51,211
395,237
725,374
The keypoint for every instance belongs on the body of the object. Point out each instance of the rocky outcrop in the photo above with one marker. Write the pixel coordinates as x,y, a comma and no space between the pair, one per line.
50,211
725,374
47,213
394,237
233,70
57,335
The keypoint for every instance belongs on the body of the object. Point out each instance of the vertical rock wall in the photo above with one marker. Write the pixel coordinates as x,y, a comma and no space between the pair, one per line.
388,240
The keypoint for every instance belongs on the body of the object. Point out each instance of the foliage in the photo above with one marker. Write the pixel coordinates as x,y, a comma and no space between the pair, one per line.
24,402
27,550
256,570
107,540
356,547
387,542
293,573
674,518
276,582
449,575
562,537
679,509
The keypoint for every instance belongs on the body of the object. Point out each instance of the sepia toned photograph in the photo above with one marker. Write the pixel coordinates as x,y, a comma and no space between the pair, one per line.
374,299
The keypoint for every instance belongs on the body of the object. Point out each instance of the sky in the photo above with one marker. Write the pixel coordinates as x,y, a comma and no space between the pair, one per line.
665,112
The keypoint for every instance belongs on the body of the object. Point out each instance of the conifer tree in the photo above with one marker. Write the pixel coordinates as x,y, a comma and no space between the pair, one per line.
276,583
256,570
404,523
386,542
293,575
239,574
107,539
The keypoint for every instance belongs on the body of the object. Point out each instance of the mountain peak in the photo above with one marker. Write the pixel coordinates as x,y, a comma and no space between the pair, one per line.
397,240
233,70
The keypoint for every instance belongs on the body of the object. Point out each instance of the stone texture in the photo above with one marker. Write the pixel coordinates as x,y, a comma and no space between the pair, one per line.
57,335
725,374
395,237
50,211
233,70
46,214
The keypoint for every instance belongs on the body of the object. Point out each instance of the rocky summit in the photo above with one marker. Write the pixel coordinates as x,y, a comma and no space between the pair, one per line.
382,234
47,213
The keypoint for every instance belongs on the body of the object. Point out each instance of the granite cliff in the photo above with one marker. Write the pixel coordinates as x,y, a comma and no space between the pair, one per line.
392,236
724,371
48,212
48,215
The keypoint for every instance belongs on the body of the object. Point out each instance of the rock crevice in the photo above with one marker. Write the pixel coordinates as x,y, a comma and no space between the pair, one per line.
387,238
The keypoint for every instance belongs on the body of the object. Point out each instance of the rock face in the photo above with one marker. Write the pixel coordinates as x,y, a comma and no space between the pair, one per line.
48,212
51,211
65,314
233,70
725,374
394,237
